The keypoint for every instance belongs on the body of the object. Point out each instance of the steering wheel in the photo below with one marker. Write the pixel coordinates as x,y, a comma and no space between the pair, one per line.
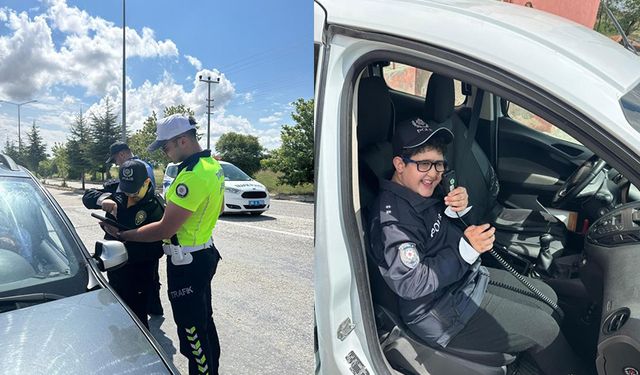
578,180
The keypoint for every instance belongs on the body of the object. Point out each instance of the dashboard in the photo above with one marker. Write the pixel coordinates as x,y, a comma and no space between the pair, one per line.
611,273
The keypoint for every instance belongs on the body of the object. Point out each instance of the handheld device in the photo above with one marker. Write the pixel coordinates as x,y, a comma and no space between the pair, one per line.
449,181
110,221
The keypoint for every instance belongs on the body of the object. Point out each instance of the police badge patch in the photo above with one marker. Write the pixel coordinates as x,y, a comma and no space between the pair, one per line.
409,254
182,190
141,216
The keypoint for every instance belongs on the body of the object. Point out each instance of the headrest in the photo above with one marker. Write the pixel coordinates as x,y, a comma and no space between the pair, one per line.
375,111
440,99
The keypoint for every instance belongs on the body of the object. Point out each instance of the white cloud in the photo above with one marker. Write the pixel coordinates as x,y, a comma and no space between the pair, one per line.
89,55
270,119
194,61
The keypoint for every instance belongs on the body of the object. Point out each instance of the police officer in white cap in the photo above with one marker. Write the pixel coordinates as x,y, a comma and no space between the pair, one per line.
194,201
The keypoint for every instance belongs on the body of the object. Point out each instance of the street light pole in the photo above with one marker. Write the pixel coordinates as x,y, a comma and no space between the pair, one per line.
124,77
209,81
18,105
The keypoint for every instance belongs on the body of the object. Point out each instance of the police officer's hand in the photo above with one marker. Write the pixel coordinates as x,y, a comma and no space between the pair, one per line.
480,237
110,229
110,206
457,199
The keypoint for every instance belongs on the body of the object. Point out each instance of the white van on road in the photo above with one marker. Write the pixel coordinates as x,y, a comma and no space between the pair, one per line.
555,131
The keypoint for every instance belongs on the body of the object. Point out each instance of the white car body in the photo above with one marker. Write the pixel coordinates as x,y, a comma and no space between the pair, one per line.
241,192
567,68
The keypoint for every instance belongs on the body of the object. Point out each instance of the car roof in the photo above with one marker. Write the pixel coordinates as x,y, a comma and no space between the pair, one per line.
479,27
577,64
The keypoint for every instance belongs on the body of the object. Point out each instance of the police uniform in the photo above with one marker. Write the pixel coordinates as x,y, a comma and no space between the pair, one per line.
133,281
199,188
426,262
445,296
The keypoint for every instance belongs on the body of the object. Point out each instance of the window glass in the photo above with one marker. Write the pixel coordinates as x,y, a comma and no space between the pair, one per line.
35,246
233,173
172,171
526,118
414,81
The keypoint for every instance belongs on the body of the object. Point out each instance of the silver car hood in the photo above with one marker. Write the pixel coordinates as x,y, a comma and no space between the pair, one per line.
90,333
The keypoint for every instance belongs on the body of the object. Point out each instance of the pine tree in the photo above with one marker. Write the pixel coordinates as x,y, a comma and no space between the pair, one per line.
36,150
104,130
11,150
78,149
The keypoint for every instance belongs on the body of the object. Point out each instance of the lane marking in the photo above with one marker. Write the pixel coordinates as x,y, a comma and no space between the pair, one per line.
268,230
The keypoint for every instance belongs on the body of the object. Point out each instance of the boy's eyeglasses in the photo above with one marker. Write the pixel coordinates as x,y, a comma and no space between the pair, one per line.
426,165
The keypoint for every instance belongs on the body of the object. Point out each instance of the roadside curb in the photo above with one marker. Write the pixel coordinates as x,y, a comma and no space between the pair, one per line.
285,197
294,197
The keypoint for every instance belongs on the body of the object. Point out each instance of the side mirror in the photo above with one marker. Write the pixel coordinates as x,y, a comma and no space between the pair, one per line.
110,255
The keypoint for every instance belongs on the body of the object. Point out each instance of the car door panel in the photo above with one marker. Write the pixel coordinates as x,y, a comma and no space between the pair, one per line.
533,164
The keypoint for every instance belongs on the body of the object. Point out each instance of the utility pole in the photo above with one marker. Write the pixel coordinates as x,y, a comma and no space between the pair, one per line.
18,105
209,81
124,77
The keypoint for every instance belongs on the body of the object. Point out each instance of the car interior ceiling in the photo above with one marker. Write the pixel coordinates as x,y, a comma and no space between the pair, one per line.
524,231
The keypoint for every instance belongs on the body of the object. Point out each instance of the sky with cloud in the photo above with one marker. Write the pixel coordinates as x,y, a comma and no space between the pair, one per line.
67,55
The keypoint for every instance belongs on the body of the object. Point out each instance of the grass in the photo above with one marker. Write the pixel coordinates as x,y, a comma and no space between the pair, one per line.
266,177
270,179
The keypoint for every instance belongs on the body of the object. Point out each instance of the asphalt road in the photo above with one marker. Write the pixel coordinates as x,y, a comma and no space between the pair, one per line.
262,291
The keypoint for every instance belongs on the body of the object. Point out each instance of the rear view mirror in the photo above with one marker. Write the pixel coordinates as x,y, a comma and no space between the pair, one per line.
110,255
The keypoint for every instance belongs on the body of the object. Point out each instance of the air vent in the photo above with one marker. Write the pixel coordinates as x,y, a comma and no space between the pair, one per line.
616,320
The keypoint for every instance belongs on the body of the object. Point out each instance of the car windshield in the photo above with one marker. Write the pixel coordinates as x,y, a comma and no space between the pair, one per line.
35,246
172,171
233,173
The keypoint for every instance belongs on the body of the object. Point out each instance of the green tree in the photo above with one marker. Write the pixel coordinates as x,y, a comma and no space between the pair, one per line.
36,150
11,150
104,130
629,16
60,162
78,149
242,150
142,138
294,159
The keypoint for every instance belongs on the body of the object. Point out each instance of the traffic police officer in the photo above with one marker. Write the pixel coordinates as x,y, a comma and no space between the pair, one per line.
134,205
194,201
119,153
446,297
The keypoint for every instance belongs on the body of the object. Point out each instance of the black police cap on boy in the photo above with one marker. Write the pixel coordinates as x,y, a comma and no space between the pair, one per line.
416,132
133,174
115,148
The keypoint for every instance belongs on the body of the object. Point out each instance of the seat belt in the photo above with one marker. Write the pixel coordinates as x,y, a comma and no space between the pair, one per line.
471,136
475,117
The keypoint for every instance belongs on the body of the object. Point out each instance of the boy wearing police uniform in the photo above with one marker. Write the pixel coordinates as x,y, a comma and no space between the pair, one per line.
134,205
445,295
194,202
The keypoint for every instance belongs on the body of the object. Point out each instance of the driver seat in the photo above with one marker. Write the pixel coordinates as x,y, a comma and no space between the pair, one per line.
517,229
401,347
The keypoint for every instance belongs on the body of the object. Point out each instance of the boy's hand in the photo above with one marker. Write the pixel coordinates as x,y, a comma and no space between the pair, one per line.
480,237
457,199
